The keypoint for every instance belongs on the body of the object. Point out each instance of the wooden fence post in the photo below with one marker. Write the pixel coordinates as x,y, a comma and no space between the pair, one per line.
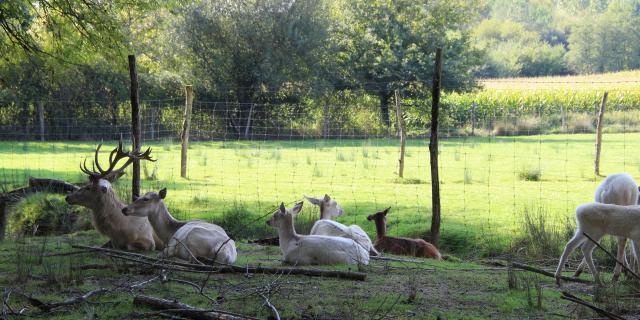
403,134
188,105
433,150
473,118
40,112
135,126
599,132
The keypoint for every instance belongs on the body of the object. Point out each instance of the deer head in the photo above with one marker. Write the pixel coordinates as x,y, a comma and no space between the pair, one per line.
329,208
284,216
381,215
146,205
99,179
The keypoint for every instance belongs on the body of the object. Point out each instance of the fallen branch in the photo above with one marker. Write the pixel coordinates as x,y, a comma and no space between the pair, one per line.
600,311
185,310
224,268
49,306
273,241
612,256
546,273
269,305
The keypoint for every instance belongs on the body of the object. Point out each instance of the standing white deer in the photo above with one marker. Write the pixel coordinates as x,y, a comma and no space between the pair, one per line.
187,240
596,220
620,189
129,233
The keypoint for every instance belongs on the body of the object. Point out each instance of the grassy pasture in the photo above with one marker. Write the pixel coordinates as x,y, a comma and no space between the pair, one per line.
487,182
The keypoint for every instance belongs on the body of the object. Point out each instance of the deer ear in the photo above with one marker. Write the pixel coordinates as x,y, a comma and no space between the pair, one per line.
313,200
385,211
296,209
163,193
369,217
282,208
327,198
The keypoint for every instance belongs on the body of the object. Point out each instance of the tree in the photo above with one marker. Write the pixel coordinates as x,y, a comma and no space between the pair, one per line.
255,51
391,45
511,50
609,42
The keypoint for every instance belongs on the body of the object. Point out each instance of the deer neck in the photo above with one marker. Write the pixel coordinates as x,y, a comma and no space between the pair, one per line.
287,233
107,206
164,224
323,213
107,213
381,228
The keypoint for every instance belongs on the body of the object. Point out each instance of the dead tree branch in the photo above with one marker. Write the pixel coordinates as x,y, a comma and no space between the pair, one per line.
185,310
546,273
223,268
600,311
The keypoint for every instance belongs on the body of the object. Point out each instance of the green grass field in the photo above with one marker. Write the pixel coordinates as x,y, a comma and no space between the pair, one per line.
487,182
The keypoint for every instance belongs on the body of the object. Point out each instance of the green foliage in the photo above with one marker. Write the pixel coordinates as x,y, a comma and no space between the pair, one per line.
42,214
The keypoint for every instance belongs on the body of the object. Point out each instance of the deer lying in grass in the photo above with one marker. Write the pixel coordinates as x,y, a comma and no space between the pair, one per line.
313,249
187,240
597,220
398,245
326,227
622,190
129,233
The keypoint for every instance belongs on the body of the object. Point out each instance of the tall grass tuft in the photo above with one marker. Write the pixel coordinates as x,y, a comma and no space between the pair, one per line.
530,174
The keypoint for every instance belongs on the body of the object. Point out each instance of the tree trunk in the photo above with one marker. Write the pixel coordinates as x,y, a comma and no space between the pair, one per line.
433,150
136,134
4,212
247,128
41,119
113,107
384,107
24,120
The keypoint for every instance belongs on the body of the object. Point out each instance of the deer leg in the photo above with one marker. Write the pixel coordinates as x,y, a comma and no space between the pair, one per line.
577,239
587,251
635,256
580,268
622,242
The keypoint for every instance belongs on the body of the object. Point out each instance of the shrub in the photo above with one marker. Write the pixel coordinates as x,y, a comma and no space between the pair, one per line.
43,214
530,174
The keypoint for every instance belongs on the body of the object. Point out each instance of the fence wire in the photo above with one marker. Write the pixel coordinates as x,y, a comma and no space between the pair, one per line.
502,153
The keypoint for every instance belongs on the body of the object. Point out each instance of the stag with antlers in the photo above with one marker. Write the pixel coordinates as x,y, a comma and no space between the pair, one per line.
130,233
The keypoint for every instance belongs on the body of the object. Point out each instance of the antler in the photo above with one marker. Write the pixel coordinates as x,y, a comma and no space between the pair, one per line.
115,156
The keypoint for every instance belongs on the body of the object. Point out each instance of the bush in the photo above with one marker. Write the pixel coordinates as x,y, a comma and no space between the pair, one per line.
43,214
530,175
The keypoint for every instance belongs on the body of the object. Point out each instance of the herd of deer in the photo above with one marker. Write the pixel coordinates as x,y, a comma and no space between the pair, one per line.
146,224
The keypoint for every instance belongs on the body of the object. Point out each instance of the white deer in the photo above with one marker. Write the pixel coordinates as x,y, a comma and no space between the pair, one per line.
620,189
596,220
313,249
326,227
187,240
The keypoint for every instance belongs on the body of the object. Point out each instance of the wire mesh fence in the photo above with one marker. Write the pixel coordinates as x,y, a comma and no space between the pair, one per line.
502,153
